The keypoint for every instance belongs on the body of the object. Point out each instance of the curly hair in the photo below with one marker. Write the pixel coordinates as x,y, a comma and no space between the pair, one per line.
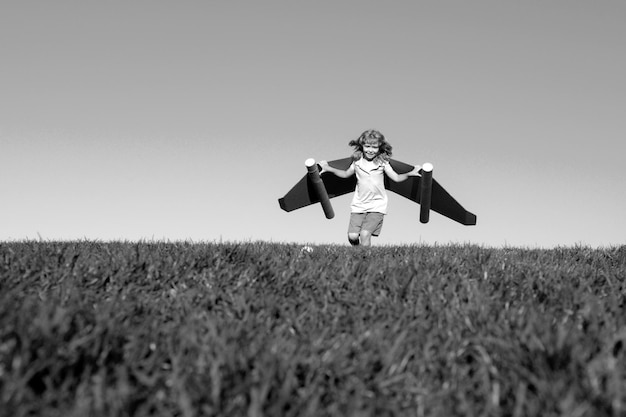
384,150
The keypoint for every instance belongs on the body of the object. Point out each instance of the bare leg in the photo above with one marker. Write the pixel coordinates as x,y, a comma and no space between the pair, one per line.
353,238
366,238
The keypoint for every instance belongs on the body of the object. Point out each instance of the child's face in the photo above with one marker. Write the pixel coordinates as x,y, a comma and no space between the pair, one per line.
370,150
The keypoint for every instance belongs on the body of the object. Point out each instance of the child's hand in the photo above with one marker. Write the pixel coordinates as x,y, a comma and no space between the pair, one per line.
324,165
416,171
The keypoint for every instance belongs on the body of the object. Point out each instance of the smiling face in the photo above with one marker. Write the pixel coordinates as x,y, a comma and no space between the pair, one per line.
371,146
371,149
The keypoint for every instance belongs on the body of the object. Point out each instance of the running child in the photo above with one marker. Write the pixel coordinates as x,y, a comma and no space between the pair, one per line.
369,204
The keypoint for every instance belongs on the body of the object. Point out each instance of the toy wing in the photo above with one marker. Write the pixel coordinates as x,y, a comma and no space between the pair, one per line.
304,192
307,192
440,200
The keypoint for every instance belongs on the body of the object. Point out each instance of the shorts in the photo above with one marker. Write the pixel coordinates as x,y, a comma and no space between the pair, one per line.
371,222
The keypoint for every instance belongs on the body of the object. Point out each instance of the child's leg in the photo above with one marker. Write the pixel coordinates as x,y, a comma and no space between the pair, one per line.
354,229
366,238
372,225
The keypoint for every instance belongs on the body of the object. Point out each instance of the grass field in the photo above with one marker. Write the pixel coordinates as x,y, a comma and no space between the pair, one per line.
263,329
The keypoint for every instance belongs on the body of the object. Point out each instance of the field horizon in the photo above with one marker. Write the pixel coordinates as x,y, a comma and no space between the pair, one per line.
150,328
346,244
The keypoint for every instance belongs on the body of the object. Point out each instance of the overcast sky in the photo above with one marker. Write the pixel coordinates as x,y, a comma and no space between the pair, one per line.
178,120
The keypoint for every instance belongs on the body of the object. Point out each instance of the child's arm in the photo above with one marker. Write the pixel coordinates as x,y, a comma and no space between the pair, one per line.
338,172
402,177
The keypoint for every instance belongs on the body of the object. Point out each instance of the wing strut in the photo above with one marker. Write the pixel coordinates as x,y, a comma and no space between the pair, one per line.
426,191
318,187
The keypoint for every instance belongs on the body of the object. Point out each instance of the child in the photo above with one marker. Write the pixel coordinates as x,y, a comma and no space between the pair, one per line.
369,204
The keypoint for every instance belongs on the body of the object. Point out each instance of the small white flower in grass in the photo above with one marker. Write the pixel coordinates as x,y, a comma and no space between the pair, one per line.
306,249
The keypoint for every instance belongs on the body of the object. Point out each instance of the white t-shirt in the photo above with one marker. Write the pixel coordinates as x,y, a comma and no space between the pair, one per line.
370,194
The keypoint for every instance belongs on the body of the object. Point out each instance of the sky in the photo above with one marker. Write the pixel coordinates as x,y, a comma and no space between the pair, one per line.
187,120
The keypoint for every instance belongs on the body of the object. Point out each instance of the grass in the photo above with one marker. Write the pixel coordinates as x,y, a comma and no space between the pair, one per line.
263,329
